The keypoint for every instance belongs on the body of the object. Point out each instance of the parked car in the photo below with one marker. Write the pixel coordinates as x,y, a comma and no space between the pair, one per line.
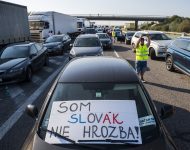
159,43
128,36
57,44
178,55
18,62
105,40
90,31
98,103
86,45
99,30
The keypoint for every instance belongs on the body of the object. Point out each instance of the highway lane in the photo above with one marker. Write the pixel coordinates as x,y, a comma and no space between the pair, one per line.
164,88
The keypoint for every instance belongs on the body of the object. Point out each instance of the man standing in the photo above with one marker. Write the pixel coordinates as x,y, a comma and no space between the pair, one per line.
142,57
113,36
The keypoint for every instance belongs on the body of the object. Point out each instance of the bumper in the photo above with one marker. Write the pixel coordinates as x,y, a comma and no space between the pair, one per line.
109,45
161,54
12,77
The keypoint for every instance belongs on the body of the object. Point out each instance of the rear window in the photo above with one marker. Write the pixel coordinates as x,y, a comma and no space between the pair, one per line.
87,42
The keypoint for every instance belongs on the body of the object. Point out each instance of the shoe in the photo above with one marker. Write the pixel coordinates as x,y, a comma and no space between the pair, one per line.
143,81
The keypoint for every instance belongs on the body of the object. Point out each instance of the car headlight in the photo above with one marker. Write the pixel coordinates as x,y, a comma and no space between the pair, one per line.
59,46
15,70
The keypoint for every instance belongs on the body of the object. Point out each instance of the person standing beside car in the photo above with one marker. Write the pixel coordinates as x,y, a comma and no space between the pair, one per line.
113,36
142,57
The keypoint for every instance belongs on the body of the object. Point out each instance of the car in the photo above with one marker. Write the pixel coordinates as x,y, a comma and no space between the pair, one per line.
98,103
99,30
178,55
86,45
105,39
19,61
90,31
158,46
57,44
128,37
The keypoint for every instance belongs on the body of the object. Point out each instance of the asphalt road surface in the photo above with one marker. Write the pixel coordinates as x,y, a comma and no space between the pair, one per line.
164,87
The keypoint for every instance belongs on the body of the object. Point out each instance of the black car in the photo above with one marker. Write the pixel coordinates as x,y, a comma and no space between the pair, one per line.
178,55
18,62
90,31
57,44
98,103
128,36
105,39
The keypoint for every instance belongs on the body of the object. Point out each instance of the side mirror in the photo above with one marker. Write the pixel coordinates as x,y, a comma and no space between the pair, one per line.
32,111
167,111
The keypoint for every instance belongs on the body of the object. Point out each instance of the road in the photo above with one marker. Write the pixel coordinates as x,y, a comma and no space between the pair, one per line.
164,87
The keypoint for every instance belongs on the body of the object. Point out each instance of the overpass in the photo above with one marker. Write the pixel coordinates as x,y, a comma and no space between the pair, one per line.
135,18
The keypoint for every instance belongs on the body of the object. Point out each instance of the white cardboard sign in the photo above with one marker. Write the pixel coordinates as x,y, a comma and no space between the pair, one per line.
94,120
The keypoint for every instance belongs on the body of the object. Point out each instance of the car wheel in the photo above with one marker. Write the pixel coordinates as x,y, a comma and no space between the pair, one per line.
46,63
28,74
169,63
152,54
133,47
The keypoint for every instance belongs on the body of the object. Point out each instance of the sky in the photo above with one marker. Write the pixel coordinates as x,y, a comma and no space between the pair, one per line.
116,7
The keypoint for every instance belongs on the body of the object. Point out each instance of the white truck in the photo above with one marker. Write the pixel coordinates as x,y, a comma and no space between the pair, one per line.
82,24
42,23
13,23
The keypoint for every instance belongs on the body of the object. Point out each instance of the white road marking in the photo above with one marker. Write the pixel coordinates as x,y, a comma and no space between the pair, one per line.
116,53
16,116
14,91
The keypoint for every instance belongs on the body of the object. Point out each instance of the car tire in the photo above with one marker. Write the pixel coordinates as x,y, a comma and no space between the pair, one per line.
152,54
169,63
46,63
133,48
28,74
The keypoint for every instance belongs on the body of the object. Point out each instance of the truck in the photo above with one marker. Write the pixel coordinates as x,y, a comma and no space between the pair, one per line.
14,25
82,24
42,23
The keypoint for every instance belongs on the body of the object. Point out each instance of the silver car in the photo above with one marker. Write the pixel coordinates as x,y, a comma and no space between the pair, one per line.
86,45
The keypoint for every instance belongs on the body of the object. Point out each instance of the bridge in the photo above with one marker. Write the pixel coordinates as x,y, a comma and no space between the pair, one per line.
135,18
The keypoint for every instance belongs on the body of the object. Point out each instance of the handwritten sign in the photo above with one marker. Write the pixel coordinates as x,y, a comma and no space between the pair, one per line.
94,120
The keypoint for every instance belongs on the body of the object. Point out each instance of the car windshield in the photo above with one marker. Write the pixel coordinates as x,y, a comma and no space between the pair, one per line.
68,92
159,37
87,42
15,52
103,36
54,39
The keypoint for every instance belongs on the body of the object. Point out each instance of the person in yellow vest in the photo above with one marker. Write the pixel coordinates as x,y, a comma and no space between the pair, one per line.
142,57
113,36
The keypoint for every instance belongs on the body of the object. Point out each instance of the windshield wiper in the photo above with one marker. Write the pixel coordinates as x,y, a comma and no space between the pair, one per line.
69,140
126,142
58,135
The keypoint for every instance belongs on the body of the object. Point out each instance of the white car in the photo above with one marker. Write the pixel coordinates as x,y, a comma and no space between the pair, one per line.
159,42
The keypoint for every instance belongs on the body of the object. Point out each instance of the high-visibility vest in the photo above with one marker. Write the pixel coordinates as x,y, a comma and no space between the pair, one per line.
113,33
142,53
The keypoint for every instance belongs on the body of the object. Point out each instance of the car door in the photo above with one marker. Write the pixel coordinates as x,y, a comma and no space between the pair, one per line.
179,54
35,59
187,58
41,54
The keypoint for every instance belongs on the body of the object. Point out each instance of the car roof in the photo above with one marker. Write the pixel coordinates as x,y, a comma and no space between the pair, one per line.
98,69
150,32
22,44
87,36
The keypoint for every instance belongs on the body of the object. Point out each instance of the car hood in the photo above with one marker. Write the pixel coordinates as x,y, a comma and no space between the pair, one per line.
88,51
6,64
164,43
37,143
53,44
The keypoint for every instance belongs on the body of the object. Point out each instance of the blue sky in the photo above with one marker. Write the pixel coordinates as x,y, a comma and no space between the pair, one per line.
125,7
